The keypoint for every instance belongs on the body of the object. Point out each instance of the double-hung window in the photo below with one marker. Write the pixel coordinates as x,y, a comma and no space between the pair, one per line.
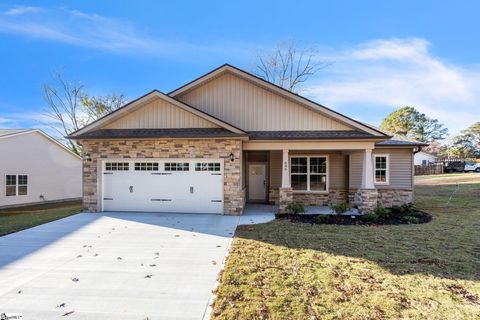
381,162
16,185
309,173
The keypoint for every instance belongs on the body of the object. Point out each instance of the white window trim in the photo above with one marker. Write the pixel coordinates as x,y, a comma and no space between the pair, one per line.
16,185
387,170
308,156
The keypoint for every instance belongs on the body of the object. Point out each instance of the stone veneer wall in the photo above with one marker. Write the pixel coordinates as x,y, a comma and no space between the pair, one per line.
234,194
394,197
285,197
387,197
312,199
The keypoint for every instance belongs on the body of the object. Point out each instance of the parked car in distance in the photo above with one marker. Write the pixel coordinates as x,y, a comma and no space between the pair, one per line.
453,166
470,167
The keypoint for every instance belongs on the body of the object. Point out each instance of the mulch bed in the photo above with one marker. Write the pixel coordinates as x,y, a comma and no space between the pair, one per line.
391,219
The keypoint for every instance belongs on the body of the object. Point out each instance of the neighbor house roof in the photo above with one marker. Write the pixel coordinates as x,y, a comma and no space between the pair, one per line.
7,132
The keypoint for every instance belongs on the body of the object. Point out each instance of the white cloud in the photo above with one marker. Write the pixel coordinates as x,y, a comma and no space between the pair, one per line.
19,10
393,73
91,30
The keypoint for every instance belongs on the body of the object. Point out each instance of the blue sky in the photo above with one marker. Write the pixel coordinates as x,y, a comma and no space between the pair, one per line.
382,54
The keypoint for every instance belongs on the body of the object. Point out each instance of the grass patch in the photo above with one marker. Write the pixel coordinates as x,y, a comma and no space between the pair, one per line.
16,219
284,270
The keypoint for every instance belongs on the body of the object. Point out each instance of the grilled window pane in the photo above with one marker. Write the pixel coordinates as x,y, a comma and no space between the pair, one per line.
10,191
22,190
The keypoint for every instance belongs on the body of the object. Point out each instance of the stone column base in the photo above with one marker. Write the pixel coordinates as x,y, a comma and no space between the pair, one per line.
365,199
285,196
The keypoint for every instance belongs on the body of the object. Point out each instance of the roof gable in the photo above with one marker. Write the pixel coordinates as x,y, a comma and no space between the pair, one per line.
216,92
155,110
11,133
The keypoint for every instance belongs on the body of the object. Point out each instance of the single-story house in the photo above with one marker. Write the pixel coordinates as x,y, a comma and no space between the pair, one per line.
229,137
423,158
35,168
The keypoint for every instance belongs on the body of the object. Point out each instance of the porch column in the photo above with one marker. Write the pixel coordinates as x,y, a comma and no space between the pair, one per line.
367,172
285,192
285,170
366,198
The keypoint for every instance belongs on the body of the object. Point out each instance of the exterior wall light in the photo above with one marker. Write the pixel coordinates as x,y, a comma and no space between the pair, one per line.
87,157
232,157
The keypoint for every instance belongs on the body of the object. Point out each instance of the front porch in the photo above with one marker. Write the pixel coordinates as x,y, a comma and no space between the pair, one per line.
314,174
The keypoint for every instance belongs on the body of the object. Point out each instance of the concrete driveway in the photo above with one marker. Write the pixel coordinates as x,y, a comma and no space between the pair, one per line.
116,266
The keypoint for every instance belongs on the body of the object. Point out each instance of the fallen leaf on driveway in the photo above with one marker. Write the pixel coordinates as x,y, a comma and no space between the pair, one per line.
19,291
75,279
79,256
96,254
214,262
148,276
119,258
67,313
218,246
177,235
153,265
61,305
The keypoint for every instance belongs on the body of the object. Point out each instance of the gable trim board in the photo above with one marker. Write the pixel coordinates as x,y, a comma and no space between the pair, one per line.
131,107
278,90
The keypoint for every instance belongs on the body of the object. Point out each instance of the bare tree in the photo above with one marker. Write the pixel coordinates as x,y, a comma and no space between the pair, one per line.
70,108
289,67
64,101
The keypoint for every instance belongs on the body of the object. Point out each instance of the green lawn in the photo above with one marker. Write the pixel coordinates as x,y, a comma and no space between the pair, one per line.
16,219
283,270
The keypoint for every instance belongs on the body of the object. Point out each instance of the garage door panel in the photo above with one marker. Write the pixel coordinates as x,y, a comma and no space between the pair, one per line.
164,189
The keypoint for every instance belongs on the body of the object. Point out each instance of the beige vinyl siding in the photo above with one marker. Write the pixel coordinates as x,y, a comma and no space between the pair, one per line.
337,170
160,114
251,107
400,168
356,164
276,169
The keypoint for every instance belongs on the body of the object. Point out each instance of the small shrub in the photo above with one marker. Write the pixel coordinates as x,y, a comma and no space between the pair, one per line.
381,211
370,217
396,210
295,208
322,218
339,208
407,207
411,219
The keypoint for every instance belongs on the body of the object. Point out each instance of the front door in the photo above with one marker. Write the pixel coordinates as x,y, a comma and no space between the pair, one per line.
257,184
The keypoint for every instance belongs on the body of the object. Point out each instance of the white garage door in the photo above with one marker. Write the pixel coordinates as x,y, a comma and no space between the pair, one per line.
163,185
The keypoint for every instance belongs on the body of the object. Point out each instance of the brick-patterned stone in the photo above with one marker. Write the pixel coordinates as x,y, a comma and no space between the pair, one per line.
312,199
285,197
234,195
394,197
365,199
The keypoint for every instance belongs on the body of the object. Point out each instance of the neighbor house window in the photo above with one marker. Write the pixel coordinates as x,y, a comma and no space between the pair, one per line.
308,173
381,168
16,185
116,166
177,166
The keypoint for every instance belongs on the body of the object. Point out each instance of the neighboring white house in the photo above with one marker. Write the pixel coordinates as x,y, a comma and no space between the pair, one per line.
424,158
35,168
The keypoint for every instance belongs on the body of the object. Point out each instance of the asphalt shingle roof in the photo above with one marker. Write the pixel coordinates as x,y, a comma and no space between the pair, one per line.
158,133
